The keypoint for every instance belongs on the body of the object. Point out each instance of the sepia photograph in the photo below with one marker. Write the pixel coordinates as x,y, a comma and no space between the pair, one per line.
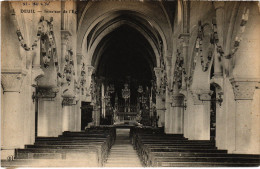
130,83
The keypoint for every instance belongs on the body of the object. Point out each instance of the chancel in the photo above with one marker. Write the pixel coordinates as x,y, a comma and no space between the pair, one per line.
130,83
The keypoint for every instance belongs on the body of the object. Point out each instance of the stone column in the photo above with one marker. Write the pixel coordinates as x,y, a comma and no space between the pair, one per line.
78,117
68,89
160,105
72,119
168,100
65,118
200,115
47,111
185,48
96,111
12,115
168,113
68,115
177,114
43,127
247,130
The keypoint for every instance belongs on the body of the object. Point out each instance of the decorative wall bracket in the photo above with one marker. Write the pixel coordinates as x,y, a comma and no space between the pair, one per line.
219,99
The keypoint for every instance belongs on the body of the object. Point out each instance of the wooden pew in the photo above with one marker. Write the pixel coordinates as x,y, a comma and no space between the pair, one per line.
160,150
92,145
92,153
219,158
206,164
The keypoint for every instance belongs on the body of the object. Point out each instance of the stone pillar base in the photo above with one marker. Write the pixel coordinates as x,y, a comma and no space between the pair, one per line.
7,153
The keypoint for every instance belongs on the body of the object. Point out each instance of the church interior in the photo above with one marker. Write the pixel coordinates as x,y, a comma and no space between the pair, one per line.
130,83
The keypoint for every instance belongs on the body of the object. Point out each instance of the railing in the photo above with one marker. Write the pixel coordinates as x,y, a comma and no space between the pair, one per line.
127,116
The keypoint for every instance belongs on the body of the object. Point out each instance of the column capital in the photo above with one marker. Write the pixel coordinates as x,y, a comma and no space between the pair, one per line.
218,4
12,79
184,37
200,94
65,34
68,101
244,88
45,92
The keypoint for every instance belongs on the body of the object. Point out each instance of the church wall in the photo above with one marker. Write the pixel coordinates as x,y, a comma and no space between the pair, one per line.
227,114
228,117
19,105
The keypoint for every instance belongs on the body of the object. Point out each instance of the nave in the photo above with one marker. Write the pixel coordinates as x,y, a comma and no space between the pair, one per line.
184,72
116,147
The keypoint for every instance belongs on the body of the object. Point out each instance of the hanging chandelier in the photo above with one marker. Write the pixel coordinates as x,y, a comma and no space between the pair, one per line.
140,89
111,88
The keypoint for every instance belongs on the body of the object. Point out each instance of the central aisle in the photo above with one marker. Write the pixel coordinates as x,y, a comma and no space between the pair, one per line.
122,153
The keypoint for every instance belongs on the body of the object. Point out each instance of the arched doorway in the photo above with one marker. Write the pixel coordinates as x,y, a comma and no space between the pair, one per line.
125,65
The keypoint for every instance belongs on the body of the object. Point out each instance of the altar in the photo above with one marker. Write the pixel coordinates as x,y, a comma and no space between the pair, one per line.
127,119
126,104
126,116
